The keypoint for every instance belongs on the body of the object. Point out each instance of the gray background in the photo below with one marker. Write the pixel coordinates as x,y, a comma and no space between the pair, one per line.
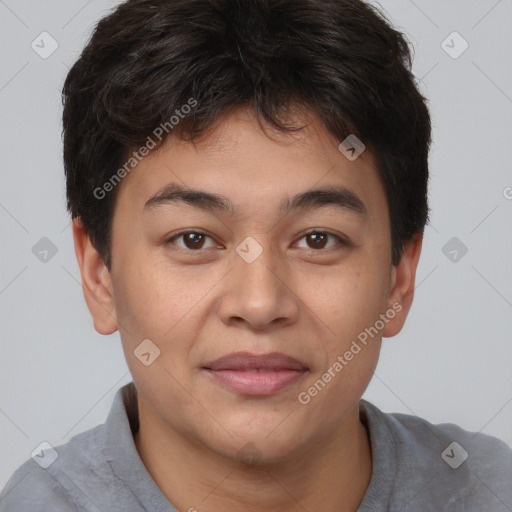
452,361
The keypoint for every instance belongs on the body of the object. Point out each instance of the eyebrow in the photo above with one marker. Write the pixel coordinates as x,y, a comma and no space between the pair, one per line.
338,196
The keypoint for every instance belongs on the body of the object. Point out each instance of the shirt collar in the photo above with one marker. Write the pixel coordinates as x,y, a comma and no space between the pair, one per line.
384,459
122,422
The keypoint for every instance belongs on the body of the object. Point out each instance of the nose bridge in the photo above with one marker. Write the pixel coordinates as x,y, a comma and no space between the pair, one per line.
257,290
257,263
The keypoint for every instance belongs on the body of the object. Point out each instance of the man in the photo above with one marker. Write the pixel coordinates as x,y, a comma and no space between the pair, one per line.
248,183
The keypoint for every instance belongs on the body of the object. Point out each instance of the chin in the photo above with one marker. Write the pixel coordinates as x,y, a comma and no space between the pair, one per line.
263,447
256,454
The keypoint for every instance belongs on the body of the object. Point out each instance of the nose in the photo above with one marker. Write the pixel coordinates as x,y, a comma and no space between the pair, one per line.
259,294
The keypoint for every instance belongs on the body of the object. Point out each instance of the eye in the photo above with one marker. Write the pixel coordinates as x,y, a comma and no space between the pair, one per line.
319,240
196,240
192,240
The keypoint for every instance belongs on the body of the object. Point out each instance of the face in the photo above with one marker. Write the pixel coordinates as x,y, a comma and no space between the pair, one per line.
266,266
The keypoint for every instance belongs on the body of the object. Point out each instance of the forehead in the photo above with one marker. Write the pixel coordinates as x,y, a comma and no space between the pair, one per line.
256,169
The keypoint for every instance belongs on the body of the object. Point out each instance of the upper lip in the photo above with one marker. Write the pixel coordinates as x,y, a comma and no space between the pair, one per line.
247,361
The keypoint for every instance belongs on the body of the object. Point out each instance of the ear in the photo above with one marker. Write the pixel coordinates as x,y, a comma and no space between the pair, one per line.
402,286
96,281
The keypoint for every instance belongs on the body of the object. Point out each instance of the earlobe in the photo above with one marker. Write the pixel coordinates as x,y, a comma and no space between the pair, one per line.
96,282
403,278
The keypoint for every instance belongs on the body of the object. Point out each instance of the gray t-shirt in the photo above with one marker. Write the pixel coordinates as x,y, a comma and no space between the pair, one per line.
417,467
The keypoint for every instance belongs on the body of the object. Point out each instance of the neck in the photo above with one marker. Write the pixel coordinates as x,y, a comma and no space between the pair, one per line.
331,475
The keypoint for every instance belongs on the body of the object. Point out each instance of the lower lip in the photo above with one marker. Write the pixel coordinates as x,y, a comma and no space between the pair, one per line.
256,383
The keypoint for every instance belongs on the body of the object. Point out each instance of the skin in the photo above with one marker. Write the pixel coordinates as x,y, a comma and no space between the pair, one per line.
295,298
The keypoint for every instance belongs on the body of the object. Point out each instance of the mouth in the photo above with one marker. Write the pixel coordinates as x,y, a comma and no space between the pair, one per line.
250,374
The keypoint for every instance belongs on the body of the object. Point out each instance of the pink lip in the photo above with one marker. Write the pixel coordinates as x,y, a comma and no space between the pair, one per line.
250,374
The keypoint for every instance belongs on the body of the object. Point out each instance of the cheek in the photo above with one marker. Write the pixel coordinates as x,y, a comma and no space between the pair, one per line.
345,300
149,300
159,301
152,304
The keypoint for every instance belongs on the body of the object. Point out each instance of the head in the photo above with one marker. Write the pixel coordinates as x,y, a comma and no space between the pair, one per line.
215,213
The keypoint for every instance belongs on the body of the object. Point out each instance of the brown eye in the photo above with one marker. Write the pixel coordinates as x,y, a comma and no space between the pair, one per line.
191,240
318,240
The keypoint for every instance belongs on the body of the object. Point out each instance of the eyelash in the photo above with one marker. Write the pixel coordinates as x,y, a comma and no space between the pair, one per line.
340,240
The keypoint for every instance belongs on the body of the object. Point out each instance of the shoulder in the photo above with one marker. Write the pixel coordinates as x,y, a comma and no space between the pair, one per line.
31,488
470,471
55,482
482,452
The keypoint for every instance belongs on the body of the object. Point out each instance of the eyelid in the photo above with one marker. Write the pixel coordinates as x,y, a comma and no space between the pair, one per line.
189,230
